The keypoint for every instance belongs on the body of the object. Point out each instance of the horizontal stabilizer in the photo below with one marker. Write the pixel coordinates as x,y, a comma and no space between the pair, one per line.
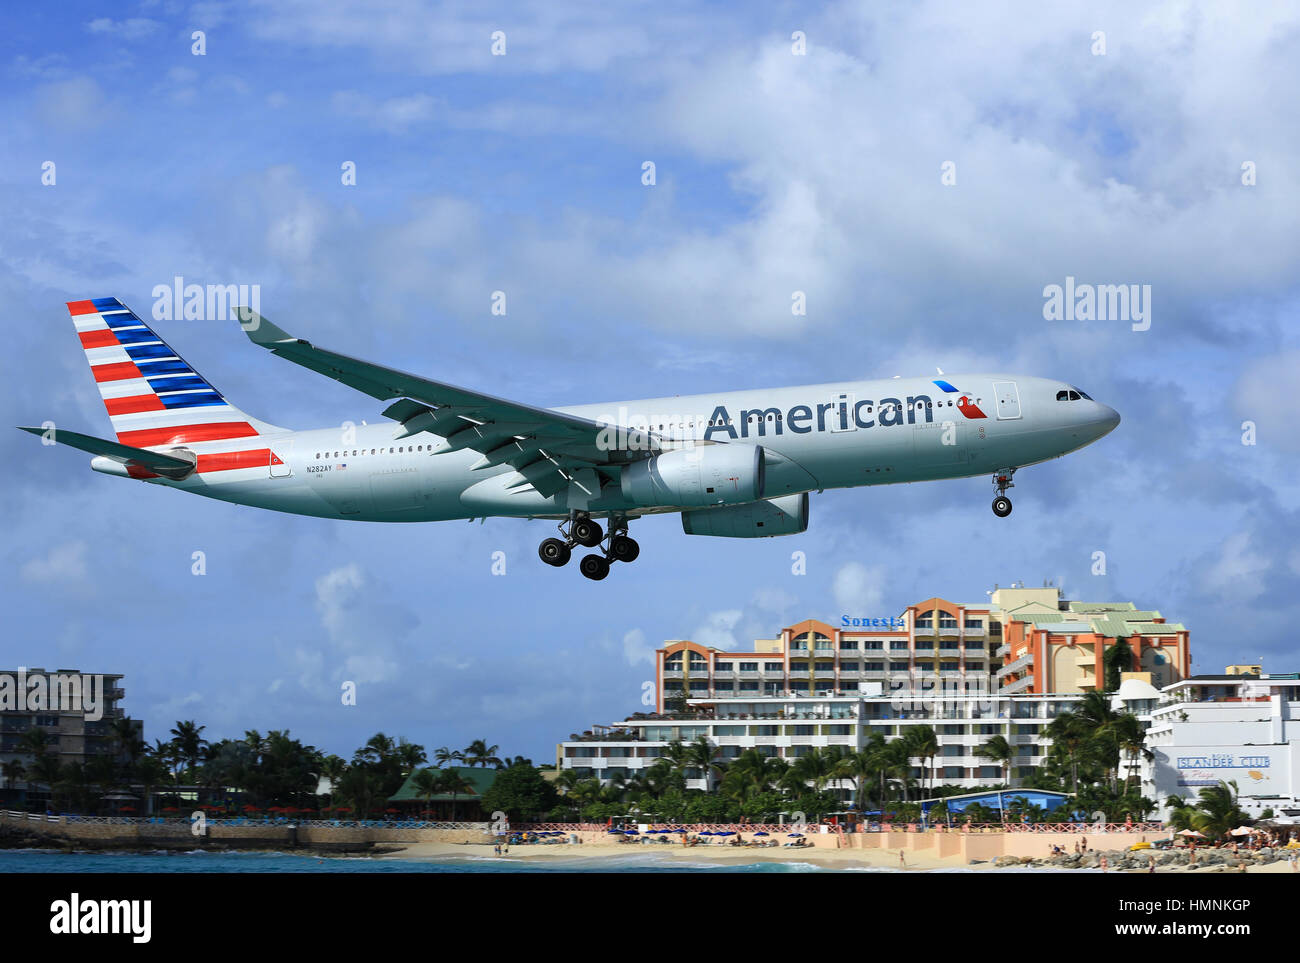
175,467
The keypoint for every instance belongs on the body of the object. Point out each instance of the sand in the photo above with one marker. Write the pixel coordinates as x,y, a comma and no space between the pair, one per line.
592,854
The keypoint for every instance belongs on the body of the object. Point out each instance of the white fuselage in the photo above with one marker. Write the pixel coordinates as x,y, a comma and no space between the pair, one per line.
837,435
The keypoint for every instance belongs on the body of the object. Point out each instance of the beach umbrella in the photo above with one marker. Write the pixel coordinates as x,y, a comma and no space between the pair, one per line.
1241,831
1191,832
794,835
762,834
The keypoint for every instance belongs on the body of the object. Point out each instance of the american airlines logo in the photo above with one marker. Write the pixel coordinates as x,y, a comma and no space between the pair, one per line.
629,432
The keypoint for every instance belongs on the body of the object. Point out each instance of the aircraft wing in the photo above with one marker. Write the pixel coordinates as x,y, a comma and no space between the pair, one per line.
543,446
154,462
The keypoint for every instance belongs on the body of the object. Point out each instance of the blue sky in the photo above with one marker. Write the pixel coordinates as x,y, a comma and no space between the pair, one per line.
522,173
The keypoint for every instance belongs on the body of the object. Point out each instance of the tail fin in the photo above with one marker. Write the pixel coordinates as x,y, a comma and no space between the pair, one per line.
153,396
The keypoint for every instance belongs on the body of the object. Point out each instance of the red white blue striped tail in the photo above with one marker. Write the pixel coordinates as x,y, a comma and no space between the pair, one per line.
153,396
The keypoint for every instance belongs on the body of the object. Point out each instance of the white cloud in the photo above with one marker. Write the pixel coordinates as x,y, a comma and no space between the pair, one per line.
133,28
858,589
718,630
62,563
1239,572
636,650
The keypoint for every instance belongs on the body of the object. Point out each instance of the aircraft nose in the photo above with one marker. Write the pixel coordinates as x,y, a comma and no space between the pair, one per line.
1107,419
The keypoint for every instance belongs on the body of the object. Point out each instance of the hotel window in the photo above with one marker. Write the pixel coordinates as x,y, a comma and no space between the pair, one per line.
774,666
825,667
947,621
954,772
724,666
749,686
925,621
841,730
873,667
974,623
898,667
873,645
799,685
952,730
848,667
699,685
768,730
849,645
749,667
898,645
825,685
802,730
952,750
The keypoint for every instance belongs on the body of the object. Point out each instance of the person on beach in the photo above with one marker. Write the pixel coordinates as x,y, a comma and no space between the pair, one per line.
1151,864
901,861
1103,864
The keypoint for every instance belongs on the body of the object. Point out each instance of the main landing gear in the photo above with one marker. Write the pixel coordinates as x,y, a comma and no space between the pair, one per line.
1002,481
582,529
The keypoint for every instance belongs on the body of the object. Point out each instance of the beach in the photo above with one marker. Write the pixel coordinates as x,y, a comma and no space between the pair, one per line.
847,859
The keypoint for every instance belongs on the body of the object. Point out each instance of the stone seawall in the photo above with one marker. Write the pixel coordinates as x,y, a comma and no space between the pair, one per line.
171,835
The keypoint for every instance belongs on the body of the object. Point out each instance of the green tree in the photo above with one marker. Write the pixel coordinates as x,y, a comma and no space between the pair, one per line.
997,749
520,792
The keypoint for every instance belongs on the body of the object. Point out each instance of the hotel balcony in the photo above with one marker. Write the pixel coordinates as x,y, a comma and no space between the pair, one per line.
1023,662
672,673
1003,650
1018,686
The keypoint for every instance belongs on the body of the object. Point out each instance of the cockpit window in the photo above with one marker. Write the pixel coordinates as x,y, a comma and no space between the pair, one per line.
1070,394
1084,394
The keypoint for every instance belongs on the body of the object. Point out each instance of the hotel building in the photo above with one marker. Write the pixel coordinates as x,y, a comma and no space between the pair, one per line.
1241,727
937,663
69,735
1053,645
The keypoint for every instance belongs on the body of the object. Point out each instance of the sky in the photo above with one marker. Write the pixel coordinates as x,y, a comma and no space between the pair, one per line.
921,172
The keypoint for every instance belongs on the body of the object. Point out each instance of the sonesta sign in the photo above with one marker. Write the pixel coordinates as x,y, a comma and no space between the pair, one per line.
856,622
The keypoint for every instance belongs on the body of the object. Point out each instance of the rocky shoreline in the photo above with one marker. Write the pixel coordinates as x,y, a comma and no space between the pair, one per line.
11,838
1215,860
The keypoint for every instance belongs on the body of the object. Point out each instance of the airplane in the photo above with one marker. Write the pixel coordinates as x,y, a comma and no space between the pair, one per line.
736,464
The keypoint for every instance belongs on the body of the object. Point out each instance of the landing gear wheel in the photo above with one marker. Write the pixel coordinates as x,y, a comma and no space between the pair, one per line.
595,567
623,549
586,532
554,552
1002,506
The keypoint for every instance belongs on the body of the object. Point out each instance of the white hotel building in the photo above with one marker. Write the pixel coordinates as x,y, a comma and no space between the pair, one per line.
816,685
1242,727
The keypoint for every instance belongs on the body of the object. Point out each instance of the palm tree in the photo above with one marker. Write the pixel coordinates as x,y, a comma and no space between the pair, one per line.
34,742
1217,811
703,755
188,741
479,753
442,756
1130,737
452,782
410,755
378,749
923,743
427,783
997,749
1068,734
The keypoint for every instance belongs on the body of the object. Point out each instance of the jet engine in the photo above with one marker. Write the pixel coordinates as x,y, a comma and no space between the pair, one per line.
696,477
787,515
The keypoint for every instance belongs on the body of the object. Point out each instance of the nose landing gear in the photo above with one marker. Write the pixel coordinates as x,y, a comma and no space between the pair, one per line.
1002,481
582,529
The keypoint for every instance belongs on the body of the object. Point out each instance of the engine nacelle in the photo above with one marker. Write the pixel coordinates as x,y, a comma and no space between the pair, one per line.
787,515
696,477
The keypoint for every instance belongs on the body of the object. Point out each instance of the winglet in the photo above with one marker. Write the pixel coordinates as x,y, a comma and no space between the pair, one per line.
259,330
